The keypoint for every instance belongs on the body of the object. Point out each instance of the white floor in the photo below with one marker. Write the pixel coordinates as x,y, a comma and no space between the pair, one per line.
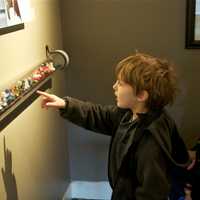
88,190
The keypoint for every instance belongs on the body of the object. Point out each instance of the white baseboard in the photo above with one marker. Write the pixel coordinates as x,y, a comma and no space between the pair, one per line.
88,190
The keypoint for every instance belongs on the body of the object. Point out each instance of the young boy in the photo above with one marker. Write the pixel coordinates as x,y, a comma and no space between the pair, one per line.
145,143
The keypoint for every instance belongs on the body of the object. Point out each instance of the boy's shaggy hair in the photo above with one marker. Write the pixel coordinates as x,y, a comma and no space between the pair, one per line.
155,75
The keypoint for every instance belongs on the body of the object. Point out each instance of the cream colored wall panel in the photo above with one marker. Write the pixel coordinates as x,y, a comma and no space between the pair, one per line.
36,139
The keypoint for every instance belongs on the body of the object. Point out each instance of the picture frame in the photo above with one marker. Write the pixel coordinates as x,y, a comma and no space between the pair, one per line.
192,24
10,16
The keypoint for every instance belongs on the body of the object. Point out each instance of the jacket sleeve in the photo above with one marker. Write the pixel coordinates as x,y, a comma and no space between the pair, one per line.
151,170
179,149
94,117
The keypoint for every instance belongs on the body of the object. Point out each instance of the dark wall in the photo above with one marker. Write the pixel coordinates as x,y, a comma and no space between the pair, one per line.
99,33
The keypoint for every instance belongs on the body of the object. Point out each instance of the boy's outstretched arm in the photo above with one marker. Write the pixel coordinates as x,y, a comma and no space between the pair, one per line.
94,117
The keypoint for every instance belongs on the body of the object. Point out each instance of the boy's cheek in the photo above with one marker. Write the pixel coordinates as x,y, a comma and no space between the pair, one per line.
122,104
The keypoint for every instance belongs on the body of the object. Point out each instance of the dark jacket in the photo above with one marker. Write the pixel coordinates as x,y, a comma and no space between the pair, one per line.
148,150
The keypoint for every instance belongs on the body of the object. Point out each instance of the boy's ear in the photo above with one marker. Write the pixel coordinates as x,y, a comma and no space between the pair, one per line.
143,96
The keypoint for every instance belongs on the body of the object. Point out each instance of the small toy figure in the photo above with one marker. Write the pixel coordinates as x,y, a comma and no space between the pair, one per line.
15,91
19,87
30,81
47,67
42,71
51,66
36,76
4,99
1,106
25,84
9,96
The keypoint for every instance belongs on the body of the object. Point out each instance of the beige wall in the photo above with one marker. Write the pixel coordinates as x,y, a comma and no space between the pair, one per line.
37,165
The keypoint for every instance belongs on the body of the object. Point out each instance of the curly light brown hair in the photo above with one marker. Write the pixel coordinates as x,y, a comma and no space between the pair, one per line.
155,75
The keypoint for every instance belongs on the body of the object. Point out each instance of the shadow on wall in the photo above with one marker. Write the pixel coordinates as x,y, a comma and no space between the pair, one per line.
8,176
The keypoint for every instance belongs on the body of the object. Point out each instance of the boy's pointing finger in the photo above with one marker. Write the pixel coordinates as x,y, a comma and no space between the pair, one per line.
43,94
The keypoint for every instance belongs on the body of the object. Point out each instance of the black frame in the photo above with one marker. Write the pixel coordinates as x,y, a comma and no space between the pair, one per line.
9,29
14,27
191,43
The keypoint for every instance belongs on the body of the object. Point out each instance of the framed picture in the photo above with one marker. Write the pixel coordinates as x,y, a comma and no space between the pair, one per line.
193,24
10,16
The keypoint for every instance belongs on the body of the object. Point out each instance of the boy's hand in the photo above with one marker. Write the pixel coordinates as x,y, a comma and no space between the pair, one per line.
50,100
192,155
